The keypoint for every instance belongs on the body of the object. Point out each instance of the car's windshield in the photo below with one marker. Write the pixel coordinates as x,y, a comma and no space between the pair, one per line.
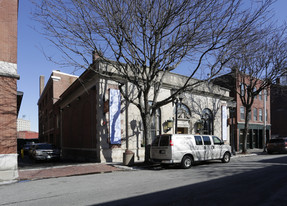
276,141
44,146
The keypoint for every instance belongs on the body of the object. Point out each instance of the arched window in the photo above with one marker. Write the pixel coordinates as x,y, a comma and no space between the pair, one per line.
207,120
183,111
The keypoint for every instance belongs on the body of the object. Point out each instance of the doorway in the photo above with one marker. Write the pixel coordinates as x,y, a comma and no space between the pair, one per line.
182,130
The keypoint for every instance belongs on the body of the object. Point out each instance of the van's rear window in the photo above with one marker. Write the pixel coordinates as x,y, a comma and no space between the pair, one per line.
161,141
155,141
164,141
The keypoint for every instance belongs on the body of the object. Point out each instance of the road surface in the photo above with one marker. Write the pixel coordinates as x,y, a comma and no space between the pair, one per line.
253,180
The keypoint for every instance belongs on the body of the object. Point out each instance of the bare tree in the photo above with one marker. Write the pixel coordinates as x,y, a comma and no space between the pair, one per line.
146,39
255,67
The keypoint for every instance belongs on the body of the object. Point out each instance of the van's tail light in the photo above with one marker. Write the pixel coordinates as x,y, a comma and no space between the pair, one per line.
285,144
170,143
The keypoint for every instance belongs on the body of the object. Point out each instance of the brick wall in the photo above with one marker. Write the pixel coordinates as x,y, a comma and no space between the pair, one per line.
8,90
79,128
8,115
8,30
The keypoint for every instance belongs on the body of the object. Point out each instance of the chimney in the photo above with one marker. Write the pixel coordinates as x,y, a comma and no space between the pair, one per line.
96,55
278,80
42,84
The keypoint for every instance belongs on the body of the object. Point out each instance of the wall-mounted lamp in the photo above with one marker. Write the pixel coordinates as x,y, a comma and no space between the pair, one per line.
167,125
199,126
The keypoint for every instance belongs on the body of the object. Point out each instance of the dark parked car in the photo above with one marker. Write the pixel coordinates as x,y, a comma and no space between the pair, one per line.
27,147
45,151
278,145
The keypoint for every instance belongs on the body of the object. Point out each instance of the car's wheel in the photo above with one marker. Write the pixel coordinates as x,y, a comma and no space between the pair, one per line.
186,162
226,157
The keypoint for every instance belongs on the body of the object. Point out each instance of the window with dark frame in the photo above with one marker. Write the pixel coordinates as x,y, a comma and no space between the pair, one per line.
198,140
216,140
206,140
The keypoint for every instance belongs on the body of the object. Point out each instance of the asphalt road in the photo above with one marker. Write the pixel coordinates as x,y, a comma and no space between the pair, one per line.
255,180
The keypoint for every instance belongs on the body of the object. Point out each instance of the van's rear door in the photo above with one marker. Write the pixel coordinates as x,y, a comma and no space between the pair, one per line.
161,148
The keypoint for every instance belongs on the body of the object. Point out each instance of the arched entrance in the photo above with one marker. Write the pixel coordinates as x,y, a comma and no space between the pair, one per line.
183,119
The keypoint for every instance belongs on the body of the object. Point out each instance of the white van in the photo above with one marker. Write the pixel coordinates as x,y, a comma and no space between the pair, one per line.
185,149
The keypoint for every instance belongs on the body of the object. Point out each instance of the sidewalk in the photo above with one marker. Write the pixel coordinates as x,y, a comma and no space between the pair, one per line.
92,168
68,170
250,152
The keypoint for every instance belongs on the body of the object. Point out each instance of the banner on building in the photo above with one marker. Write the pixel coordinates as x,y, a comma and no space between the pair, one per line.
115,116
224,122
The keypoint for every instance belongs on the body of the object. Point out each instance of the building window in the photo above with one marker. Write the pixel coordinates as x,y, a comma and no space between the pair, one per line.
260,95
183,111
242,90
255,114
242,112
260,115
266,115
204,125
254,90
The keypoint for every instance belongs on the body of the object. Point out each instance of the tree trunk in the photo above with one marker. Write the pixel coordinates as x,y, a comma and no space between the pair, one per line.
146,118
245,130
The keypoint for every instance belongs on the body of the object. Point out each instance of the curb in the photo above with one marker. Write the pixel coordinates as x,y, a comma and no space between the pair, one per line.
243,155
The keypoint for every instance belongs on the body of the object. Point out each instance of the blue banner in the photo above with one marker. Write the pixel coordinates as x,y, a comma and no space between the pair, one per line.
115,116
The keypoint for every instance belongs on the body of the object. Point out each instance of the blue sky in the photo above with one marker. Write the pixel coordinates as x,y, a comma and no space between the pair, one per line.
32,63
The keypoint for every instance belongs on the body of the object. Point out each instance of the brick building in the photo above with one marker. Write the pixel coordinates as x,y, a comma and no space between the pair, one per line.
84,124
278,107
258,126
8,90
48,115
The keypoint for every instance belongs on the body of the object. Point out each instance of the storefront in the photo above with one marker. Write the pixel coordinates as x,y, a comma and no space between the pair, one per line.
255,135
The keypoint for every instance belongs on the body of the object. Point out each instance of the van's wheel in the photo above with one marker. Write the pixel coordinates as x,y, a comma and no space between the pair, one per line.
186,162
226,157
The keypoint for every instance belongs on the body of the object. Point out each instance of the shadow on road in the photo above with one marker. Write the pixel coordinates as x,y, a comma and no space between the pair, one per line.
263,186
279,160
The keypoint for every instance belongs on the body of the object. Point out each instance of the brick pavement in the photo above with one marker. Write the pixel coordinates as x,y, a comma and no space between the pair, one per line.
64,171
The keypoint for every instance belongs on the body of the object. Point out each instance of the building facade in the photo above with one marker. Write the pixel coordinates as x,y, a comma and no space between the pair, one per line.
23,125
278,107
8,90
259,118
48,115
94,123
